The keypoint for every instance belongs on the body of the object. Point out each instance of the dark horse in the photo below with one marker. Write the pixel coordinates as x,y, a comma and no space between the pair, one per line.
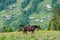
30,28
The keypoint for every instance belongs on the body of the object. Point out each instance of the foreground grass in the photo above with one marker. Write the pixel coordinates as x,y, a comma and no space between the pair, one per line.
38,35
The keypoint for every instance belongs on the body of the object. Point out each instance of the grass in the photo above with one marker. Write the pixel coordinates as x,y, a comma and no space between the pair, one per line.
38,35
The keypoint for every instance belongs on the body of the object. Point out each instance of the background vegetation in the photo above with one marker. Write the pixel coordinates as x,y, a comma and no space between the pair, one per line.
16,12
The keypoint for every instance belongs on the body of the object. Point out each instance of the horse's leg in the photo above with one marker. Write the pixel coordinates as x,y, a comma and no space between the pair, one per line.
33,31
25,31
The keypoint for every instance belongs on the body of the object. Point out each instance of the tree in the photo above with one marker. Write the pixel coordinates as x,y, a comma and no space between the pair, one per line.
55,22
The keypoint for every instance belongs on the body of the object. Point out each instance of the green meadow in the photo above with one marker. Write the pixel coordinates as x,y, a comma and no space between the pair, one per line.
38,35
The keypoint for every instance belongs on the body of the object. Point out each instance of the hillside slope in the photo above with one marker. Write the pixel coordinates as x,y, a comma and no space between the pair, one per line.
27,12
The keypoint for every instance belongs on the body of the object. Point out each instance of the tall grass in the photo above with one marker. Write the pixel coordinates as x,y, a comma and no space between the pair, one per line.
29,36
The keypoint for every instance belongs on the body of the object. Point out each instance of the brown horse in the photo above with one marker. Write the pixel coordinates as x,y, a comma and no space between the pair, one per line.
30,28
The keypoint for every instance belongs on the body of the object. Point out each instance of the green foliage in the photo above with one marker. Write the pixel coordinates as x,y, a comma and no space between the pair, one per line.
10,29
55,22
4,29
7,29
20,28
5,3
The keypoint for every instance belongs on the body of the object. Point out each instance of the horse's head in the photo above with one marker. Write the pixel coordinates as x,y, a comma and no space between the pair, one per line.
37,26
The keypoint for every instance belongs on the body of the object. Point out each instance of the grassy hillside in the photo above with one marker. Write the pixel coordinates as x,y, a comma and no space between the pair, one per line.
16,12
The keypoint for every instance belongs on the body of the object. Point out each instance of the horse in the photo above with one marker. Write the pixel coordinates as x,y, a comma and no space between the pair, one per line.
30,28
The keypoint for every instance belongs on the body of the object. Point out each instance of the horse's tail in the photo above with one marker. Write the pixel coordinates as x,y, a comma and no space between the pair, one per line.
21,25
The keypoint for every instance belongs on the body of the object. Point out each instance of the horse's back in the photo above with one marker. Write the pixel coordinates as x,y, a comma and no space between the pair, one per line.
29,28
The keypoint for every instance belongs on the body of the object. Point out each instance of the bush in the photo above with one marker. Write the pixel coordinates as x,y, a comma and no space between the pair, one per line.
20,28
10,29
4,29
